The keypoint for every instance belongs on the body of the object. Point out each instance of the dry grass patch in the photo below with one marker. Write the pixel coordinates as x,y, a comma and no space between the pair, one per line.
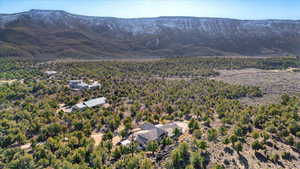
273,83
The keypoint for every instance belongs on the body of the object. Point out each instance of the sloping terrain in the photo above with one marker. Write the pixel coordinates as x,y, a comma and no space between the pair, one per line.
61,34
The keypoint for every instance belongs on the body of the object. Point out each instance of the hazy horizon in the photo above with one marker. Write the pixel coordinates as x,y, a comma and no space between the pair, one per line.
236,9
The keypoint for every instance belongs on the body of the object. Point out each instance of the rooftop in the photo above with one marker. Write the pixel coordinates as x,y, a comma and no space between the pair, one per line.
50,72
146,136
95,102
75,81
147,126
90,103
170,127
80,105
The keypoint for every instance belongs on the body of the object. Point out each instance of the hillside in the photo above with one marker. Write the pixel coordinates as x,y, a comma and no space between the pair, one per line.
42,33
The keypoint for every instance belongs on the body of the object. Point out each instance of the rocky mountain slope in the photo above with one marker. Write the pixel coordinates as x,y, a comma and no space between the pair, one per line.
61,34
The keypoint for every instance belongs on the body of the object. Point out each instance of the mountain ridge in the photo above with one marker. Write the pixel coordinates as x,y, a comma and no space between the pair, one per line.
31,33
70,13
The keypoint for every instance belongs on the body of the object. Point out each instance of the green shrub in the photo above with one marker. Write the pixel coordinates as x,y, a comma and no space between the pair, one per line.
197,133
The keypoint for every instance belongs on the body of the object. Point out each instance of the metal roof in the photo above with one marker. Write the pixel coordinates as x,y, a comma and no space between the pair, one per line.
82,85
125,142
51,72
147,126
95,102
79,106
150,135
170,127
75,81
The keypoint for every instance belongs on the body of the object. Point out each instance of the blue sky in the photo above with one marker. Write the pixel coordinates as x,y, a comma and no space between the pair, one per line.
240,9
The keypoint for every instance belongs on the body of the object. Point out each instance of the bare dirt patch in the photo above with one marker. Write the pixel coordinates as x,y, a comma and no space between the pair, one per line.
116,140
273,83
25,146
97,137
7,81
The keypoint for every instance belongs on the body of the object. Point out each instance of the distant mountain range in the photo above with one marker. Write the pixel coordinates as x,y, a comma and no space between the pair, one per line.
50,33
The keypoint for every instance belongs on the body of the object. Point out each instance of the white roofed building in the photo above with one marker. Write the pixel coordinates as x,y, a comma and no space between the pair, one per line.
81,85
90,103
50,72
95,102
79,106
125,142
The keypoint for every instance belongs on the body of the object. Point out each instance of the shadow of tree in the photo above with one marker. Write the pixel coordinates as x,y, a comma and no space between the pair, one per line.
268,143
207,158
261,157
243,161
281,164
228,150
296,150
289,157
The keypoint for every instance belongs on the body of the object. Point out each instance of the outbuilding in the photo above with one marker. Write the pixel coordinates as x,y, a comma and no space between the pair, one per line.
90,103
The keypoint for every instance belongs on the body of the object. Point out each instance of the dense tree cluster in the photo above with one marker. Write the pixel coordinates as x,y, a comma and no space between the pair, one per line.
17,69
